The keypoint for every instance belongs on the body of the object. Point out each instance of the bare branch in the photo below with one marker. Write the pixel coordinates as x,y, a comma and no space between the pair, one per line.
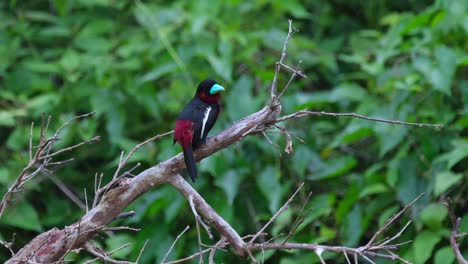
173,244
120,228
292,70
124,162
303,113
277,214
125,215
208,213
95,251
37,160
278,64
30,142
94,139
295,73
298,220
191,257
454,234
214,249
390,222
63,187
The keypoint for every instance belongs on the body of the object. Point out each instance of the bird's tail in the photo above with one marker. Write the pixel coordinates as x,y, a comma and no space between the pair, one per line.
190,162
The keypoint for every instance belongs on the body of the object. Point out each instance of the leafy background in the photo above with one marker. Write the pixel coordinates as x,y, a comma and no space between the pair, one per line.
137,63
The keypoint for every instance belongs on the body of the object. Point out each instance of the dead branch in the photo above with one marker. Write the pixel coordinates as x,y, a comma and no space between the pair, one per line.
384,249
42,157
277,214
454,234
173,243
306,112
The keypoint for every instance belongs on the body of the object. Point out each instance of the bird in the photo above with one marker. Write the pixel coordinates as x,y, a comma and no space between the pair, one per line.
196,120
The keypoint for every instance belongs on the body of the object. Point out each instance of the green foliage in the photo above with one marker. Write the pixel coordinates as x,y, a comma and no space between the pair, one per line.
137,63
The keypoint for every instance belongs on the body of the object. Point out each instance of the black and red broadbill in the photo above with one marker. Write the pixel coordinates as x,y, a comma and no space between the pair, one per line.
196,120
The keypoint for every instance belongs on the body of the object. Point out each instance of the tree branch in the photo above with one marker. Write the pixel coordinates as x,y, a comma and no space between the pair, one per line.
454,234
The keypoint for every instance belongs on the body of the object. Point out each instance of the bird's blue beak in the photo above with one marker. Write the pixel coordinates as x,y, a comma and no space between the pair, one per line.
216,89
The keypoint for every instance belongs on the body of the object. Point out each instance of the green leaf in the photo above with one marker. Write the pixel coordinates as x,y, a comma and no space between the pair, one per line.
410,185
459,152
302,158
348,91
351,134
389,136
444,180
269,185
22,215
7,117
441,72
230,182
464,224
334,168
240,100
446,59
157,72
373,189
321,205
295,7
348,201
424,245
433,215
444,256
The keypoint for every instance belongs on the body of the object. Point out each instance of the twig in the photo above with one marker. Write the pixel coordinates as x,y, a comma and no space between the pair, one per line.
86,200
280,62
30,142
453,235
191,257
120,228
99,254
198,219
208,213
214,249
9,245
94,139
273,144
292,70
346,257
390,222
319,252
277,214
42,156
141,251
295,73
63,187
322,113
124,162
298,220
125,215
173,243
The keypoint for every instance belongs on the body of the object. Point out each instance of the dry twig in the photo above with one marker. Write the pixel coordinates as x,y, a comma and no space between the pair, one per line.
454,234
41,159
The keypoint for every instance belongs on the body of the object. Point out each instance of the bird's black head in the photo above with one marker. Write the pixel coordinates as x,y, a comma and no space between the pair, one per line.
208,91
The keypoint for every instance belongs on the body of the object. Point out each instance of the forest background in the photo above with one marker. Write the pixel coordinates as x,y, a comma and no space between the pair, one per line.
136,64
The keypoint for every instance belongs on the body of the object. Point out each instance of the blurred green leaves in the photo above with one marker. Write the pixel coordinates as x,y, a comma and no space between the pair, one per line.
392,59
22,215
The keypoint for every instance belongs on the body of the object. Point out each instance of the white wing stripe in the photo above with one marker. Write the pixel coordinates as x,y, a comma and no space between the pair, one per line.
205,118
